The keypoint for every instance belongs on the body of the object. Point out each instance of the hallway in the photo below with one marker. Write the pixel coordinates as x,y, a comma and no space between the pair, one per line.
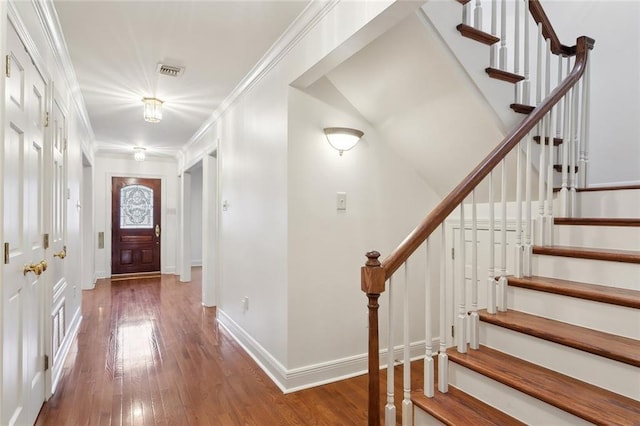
148,353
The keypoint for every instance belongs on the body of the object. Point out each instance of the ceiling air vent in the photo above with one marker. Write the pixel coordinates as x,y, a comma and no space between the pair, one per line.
169,70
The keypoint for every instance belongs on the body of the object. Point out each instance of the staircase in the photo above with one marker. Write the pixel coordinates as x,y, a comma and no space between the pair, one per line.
558,341
567,350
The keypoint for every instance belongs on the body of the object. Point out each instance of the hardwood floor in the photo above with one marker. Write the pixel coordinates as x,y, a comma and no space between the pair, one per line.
148,353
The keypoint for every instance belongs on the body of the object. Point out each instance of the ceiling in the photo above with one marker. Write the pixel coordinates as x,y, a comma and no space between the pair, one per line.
115,47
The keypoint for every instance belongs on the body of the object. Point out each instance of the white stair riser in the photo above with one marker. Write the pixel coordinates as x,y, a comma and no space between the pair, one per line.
609,237
421,418
613,319
614,274
517,404
621,203
605,373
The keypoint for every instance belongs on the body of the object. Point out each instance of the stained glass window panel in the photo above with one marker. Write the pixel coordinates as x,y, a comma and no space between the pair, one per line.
136,207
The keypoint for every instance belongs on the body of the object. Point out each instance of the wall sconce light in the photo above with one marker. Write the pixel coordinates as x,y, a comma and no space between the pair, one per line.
152,110
139,154
342,138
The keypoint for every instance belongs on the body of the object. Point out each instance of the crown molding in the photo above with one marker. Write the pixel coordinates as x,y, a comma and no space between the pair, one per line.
310,16
53,31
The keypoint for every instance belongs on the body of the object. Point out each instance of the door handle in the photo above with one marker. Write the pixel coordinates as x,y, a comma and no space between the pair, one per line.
62,253
36,268
157,231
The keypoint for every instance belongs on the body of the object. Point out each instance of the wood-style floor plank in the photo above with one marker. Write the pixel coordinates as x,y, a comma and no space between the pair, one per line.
148,353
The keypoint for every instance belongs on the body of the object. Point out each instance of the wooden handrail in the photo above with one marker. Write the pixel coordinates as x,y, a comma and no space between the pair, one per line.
538,14
451,201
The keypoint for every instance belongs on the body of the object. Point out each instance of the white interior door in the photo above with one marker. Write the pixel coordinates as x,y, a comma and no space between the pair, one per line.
23,302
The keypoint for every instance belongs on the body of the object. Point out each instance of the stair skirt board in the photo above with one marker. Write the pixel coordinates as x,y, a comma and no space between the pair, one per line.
607,237
618,274
618,320
602,372
515,403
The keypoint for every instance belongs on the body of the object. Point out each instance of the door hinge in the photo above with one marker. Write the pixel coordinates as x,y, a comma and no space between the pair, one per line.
6,253
46,362
45,241
453,331
453,253
7,66
46,119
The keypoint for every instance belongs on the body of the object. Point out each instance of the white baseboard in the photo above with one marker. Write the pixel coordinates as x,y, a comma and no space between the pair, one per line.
196,263
314,374
57,369
100,275
169,270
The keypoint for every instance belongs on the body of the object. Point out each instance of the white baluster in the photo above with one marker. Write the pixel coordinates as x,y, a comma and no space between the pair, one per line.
390,408
526,85
539,66
573,148
560,105
519,231
528,247
465,13
502,282
407,405
477,15
491,283
584,142
443,358
474,325
503,35
428,377
516,55
548,216
461,319
493,49
566,143
541,177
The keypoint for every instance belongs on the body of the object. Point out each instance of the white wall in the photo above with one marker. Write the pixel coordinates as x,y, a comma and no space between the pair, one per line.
196,216
614,155
385,201
107,167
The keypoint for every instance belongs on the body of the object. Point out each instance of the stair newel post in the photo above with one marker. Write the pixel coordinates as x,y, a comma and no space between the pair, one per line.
474,326
428,378
526,84
407,405
503,35
477,15
443,358
528,247
491,283
584,145
519,231
461,318
502,282
373,284
493,49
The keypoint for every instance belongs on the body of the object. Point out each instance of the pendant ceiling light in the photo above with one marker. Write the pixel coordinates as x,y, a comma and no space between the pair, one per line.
152,110
139,154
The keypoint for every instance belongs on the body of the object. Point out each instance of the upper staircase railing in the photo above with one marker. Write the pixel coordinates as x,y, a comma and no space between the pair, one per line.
559,114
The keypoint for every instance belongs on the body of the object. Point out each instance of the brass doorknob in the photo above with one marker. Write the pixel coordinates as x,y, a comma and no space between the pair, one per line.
36,268
62,253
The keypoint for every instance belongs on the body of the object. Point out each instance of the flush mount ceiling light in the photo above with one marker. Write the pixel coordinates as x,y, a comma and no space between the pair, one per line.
152,110
342,138
139,153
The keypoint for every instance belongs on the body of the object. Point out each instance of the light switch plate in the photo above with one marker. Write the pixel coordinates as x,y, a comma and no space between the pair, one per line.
341,200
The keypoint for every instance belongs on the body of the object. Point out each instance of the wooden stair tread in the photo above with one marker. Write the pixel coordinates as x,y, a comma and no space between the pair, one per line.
609,188
521,108
507,76
558,168
459,408
581,399
607,345
477,35
597,293
597,221
627,256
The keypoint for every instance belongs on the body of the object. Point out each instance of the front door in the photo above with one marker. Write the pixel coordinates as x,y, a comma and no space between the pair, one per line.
135,225
23,350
